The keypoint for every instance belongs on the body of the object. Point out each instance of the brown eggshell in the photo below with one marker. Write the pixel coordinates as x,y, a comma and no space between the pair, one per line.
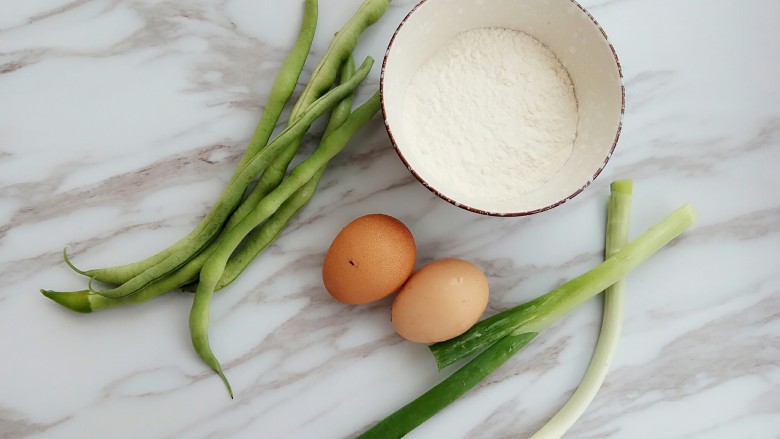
440,301
369,259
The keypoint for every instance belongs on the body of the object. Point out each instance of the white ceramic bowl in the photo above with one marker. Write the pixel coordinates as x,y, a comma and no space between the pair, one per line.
569,31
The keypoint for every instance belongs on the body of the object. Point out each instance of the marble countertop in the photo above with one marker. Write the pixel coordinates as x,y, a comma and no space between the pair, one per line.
121,120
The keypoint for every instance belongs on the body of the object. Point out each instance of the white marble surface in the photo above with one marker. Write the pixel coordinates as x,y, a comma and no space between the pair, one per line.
120,121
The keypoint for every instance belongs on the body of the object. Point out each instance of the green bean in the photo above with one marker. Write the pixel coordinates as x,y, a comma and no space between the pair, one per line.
235,190
74,300
340,48
259,239
214,267
284,84
282,89
323,77
86,302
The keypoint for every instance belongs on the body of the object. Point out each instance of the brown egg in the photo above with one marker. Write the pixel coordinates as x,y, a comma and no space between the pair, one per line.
369,259
440,301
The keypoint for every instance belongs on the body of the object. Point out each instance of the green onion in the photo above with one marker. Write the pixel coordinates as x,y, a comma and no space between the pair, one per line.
502,335
618,214
540,313
431,402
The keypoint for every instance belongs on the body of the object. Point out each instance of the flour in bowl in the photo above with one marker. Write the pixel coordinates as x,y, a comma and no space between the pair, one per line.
492,113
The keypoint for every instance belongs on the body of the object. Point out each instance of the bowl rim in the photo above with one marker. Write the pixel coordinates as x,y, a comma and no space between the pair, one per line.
481,211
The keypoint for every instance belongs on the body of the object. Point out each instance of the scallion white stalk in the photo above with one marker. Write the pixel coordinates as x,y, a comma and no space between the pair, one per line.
618,214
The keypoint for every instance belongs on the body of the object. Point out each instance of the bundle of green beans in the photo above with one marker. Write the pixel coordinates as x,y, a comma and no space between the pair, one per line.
241,225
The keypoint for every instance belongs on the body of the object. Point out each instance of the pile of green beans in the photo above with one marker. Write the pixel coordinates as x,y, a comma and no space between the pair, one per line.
241,225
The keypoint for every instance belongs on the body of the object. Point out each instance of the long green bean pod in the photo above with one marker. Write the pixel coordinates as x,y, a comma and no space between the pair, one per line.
283,87
618,215
86,302
340,48
284,84
234,193
259,239
323,77
214,267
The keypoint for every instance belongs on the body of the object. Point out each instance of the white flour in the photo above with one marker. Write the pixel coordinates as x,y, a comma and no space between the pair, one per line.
492,113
